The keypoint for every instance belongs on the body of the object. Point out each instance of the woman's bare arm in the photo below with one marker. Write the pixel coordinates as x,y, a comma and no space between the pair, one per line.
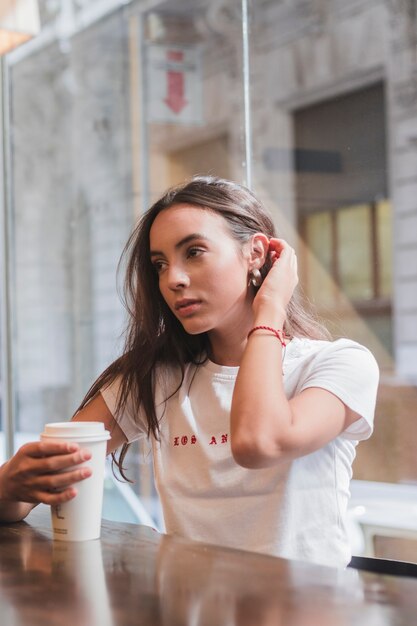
97,411
266,427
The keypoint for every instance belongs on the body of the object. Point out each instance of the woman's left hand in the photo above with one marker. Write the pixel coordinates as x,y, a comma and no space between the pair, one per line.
278,286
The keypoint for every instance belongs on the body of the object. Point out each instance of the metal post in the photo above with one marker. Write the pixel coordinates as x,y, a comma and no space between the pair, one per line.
6,329
144,131
246,93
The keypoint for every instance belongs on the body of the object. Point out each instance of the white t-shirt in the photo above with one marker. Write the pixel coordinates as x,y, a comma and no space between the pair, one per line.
295,509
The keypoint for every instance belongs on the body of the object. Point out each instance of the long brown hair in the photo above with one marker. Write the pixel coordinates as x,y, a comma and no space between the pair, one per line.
153,334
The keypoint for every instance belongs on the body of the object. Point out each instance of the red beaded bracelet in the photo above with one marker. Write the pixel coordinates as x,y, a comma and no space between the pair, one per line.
279,334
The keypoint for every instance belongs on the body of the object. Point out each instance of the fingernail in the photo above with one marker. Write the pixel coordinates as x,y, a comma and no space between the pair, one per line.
72,447
86,473
85,455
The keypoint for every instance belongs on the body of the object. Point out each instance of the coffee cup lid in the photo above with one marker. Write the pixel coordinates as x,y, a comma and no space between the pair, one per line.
79,430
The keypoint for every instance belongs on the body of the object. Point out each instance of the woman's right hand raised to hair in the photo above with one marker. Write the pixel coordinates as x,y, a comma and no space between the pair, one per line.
43,472
274,294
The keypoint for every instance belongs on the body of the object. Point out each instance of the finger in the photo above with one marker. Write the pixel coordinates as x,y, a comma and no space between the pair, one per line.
46,496
32,467
56,483
277,245
66,479
53,499
283,256
38,449
53,464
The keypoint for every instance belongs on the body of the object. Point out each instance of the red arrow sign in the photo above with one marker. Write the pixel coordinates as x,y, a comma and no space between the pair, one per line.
175,99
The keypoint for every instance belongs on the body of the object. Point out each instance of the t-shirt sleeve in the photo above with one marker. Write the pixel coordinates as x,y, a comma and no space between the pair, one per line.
350,372
133,425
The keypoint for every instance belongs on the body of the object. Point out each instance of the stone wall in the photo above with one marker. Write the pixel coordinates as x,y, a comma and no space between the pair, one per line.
73,212
402,81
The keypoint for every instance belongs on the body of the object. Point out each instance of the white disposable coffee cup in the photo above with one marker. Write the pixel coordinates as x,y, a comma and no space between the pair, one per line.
80,518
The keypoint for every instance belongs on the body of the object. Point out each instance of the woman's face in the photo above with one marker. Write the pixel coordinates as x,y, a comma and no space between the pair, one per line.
202,270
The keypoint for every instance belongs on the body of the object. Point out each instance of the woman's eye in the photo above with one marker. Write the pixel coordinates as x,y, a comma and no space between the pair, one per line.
193,252
158,266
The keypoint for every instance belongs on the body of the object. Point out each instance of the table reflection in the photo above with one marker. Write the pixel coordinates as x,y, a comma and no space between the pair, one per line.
67,579
198,585
135,576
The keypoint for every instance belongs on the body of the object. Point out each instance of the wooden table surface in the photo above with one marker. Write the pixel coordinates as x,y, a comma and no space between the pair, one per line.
134,576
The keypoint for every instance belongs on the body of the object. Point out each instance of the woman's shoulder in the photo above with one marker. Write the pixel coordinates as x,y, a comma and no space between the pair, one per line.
348,350
341,352
170,377
302,346
166,375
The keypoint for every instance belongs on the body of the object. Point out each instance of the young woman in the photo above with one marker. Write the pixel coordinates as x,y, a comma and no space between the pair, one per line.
253,413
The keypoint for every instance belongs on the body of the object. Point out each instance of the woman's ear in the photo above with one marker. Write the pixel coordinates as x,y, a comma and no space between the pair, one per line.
259,246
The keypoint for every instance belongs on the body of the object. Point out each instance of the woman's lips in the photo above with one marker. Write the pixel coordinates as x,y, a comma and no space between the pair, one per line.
184,308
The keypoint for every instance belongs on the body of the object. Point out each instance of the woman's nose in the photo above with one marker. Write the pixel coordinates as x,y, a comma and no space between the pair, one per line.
177,278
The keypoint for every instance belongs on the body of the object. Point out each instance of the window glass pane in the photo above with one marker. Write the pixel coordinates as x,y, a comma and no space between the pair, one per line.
104,120
73,210
321,75
354,252
318,267
384,238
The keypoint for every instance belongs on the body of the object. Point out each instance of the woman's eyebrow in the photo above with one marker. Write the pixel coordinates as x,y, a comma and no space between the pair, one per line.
182,242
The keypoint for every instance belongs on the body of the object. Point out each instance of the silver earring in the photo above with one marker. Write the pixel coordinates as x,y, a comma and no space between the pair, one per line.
255,278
